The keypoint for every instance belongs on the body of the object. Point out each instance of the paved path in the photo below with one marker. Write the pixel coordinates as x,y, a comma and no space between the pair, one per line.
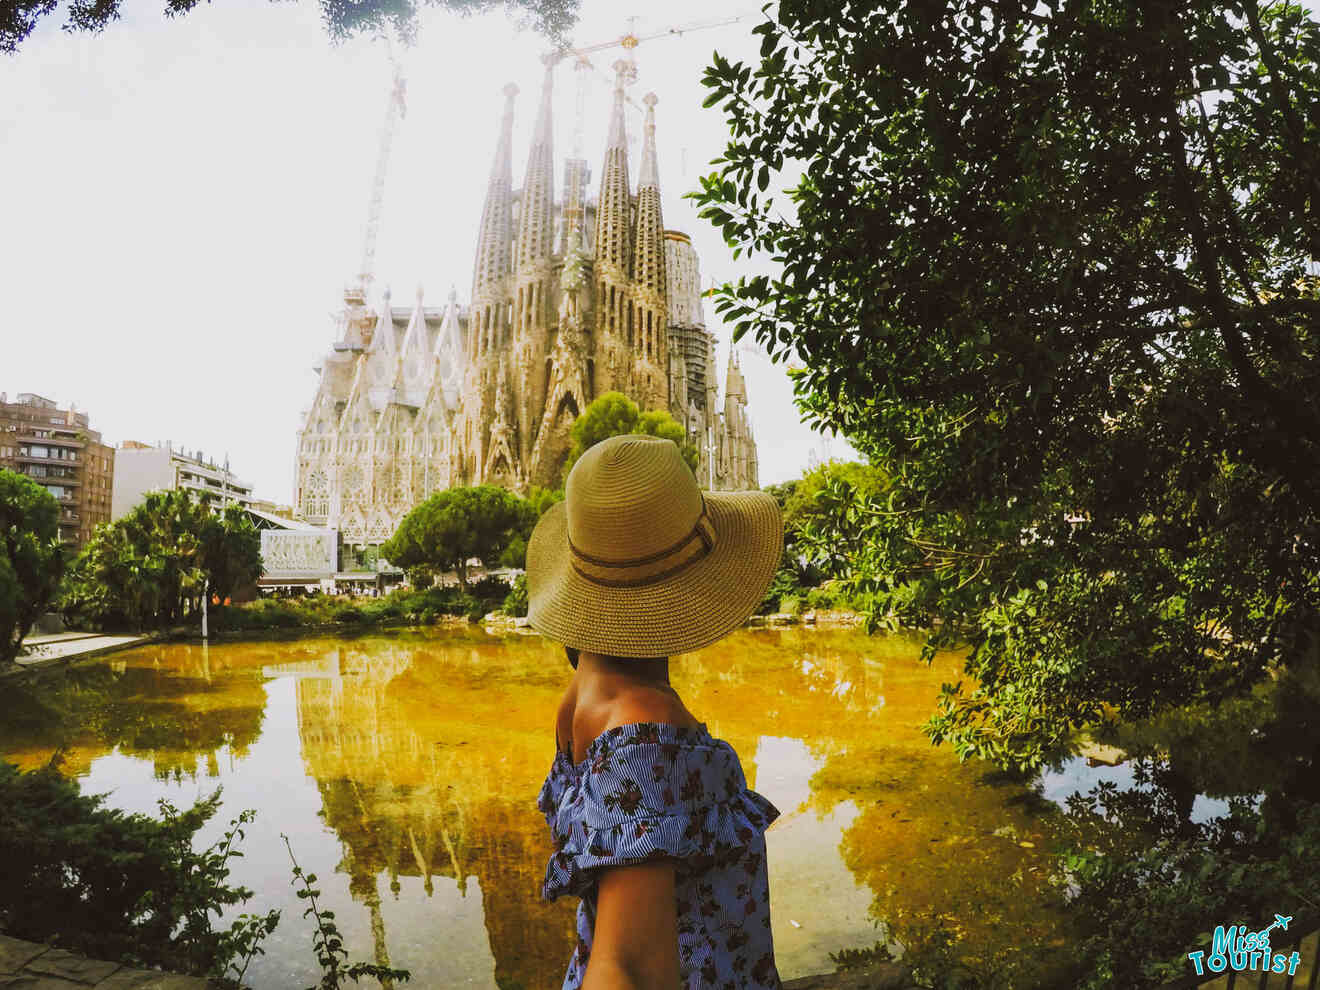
48,651
41,639
31,966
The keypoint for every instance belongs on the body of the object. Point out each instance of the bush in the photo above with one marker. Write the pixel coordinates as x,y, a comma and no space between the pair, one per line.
420,605
790,604
515,602
1145,906
116,886
783,583
264,613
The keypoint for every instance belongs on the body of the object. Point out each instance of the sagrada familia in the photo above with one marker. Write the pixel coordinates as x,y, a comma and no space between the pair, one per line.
570,299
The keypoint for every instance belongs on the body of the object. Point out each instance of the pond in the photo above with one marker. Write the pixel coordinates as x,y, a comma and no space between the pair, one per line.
404,769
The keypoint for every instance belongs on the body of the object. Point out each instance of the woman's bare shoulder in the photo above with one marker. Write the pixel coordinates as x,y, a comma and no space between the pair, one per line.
625,707
646,704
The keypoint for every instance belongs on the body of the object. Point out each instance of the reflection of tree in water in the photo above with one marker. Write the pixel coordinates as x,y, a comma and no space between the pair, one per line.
171,704
934,838
1264,747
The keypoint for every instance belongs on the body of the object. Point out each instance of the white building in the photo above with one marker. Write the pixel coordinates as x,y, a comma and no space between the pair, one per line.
140,468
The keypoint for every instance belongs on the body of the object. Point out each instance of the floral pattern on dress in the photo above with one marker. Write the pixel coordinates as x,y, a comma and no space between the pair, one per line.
651,791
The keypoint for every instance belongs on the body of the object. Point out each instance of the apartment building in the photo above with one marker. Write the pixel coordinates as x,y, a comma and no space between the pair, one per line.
58,449
142,468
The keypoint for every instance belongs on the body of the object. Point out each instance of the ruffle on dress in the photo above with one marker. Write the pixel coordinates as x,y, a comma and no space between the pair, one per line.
651,791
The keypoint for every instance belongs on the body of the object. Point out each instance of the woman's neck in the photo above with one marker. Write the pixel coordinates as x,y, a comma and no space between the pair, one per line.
651,672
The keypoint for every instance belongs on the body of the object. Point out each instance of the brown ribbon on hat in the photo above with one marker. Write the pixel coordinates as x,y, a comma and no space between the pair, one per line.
655,567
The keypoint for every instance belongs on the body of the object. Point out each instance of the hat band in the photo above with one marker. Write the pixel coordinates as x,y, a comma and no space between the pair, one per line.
647,570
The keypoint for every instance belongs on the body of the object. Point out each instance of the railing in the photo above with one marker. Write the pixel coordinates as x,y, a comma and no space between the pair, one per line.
1304,939
62,441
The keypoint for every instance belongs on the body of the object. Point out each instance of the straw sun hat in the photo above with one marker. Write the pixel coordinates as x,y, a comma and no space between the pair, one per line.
637,561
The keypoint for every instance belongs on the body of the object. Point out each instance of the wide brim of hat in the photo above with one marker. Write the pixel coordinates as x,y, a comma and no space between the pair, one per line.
683,612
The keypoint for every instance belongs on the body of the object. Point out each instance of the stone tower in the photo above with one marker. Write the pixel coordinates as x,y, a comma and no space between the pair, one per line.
613,256
491,317
650,308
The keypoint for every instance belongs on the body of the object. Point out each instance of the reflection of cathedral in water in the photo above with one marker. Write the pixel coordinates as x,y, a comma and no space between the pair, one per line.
410,794
419,780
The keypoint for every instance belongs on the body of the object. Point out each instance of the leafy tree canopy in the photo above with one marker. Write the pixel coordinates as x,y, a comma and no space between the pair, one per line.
343,19
31,560
614,414
454,526
1047,263
150,568
538,500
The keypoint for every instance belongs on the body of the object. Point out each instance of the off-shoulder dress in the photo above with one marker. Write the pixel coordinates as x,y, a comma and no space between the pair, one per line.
653,791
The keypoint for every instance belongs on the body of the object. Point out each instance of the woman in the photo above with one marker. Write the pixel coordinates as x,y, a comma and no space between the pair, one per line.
654,827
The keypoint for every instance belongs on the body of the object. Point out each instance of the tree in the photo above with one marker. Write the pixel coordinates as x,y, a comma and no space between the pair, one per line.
614,414
31,560
805,512
150,568
231,551
342,20
1047,265
454,526
538,501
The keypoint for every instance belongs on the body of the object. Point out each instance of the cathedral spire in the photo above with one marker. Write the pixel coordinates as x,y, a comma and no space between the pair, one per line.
650,171
735,387
536,216
613,214
497,216
648,267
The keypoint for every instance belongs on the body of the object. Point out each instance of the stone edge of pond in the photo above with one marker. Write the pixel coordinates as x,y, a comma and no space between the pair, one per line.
73,656
494,622
43,967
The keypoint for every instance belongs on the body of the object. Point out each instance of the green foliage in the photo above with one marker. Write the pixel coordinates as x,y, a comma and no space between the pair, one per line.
150,568
1233,870
342,21
783,584
453,526
399,607
117,886
327,942
515,602
231,551
614,414
1047,266
808,561
31,560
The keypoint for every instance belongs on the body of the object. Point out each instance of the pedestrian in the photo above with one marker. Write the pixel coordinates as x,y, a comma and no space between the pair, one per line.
654,827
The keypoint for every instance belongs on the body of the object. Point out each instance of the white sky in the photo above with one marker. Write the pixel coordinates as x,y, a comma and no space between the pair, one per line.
186,199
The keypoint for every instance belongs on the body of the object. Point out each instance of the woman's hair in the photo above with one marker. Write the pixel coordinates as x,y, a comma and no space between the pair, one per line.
572,655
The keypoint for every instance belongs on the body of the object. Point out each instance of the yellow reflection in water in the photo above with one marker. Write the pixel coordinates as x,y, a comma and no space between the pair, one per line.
428,748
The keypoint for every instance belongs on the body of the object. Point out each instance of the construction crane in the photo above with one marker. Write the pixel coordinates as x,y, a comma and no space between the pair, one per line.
574,212
396,109
628,41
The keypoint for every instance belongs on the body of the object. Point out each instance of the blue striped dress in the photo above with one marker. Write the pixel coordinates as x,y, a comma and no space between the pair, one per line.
652,791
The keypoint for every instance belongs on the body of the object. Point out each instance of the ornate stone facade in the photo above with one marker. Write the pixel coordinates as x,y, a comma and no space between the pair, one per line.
569,300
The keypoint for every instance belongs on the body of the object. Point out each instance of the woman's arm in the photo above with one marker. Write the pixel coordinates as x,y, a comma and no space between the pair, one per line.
635,944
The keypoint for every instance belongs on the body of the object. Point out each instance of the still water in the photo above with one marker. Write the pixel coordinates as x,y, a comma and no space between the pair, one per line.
404,769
